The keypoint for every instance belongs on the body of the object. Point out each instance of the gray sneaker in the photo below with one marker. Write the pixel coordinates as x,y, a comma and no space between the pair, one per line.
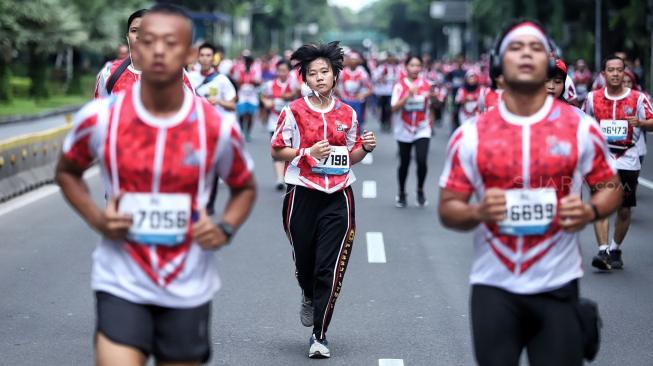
306,312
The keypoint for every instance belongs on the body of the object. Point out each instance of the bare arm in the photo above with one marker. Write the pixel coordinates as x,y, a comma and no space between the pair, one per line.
109,222
457,213
575,214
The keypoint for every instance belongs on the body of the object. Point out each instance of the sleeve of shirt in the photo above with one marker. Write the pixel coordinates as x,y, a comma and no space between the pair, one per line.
458,168
459,96
396,94
234,164
101,82
587,104
286,125
354,139
644,109
227,89
77,144
595,164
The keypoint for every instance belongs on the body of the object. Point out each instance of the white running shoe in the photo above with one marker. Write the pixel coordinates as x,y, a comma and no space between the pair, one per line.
319,349
306,312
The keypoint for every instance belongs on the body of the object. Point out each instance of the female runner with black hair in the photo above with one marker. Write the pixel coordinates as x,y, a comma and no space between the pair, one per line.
317,136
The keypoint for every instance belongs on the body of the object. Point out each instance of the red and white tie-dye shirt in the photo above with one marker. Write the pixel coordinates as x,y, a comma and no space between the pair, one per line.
556,149
140,153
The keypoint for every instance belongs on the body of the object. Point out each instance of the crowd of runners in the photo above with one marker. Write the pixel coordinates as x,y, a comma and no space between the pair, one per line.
170,127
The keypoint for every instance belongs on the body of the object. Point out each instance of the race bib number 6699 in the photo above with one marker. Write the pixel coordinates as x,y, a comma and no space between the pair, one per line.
158,219
530,211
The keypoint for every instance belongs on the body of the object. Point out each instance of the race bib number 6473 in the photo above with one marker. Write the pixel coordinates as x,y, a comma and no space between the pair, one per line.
158,219
530,211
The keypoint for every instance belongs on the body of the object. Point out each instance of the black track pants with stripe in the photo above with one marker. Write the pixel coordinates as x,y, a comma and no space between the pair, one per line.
321,229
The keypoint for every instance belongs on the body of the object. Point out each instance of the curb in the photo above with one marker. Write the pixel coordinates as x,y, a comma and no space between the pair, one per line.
31,117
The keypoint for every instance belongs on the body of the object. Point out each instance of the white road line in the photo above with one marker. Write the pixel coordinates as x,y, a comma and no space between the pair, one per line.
391,362
369,189
368,159
375,247
33,196
645,182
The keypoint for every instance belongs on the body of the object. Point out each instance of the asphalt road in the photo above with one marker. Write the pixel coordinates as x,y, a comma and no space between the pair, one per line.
9,130
413,307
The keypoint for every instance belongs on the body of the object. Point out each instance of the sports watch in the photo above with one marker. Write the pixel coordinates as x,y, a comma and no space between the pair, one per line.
227,229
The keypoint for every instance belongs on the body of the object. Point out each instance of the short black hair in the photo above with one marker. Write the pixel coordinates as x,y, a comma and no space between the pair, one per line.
135,15
206,45
172,9
611,57
219,48
284,62
308,53
410,57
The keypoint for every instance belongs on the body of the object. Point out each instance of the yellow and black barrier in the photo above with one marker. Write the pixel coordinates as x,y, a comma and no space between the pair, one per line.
28,161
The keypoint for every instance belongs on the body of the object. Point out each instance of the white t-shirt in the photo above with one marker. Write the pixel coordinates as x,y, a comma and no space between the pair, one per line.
219,86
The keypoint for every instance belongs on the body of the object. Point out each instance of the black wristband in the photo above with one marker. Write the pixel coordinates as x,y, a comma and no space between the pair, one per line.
597,215
227,229
367,151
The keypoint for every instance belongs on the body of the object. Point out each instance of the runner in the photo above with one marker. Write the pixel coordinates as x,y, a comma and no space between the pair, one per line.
525,162
630,82
455,79
248,78
275,96
220,92
410,99
467,97
154,272
317,137
385,77
555,86
582,77
122,74
355,86
623,114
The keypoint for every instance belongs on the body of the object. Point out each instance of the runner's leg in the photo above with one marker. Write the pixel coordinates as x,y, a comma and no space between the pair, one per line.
299,221
497,327
108,353
421,154
335,237
557,336
404,163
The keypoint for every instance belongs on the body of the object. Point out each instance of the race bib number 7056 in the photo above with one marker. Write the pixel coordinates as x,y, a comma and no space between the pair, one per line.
530,211
158,219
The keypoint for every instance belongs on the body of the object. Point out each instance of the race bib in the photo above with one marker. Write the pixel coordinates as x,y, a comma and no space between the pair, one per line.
337,163
614,130
159,219
470,106
352,86
279,103
530,211
416,103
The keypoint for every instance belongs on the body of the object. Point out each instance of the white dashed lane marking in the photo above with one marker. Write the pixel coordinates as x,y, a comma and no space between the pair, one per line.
645,182
391,362
369,189
375,248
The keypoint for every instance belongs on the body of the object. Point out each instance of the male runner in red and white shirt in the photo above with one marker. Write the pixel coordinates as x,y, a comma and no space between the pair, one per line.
126,70
623,114
158,147
525,163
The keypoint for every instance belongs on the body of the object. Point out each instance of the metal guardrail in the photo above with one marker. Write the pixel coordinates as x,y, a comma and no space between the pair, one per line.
28,161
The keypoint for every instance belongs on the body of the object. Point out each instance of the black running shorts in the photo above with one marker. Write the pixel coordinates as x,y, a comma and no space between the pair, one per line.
169,334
